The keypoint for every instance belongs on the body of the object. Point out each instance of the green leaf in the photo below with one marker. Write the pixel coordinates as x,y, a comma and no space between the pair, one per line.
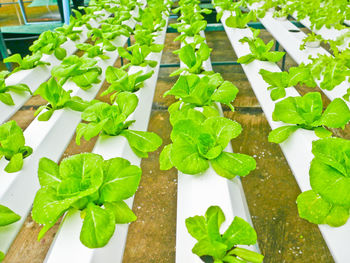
188,56
338,216
239,233
142,141
60,53
122,213
337,114
2,256
6,98
312,207
281,134
7,216
211,211
165,158
322,132
223,129
249,256
333,186
127,102
48,173
98,227
287,111
226,93
15,163
230,165
121,180
278,93
185,157
197,227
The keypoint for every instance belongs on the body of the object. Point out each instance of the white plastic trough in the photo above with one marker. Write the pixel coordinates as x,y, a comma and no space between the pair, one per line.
297,149
67,246
196,193
35,76
48,139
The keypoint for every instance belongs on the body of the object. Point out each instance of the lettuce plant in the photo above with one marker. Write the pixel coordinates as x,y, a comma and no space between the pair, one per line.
58,98
193,58
83,71
7,217
121,80
240,20
138,55
5,96
279,81
331,71
12,146
212,246
203,91
189,30
95,186
196,143
69,30
260,50
92,51
49,42
111,121
28,62
151,19
306,113
329,201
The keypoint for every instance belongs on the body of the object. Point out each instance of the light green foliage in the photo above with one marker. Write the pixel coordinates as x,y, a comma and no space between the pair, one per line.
111,120
83,71
260,50
95,186
57,98
49,42
27,62
12,146
5,96
203,91
279,81
329,200
121,80
222,247
306,112
193,58
195,144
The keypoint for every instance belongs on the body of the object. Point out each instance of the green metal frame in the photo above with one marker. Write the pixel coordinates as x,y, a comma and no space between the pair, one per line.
3,51
213,27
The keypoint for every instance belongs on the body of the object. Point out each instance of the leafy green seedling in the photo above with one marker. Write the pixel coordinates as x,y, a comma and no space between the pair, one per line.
121,81
95,186
111,121
279,81
83,71
212,246
240,20
329,201
203,91
196,143
260,50
138,55
193,58
49,42
69,31
306,113
92,51
12,146
57,98
28,62
7,217
5,96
